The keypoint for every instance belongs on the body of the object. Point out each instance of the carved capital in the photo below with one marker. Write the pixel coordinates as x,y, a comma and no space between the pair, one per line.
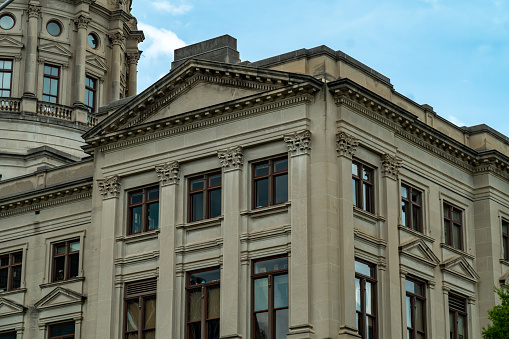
109,187
298,143
117,38
390,166
169,173
132,58
33,11
82,22
346,145
231,158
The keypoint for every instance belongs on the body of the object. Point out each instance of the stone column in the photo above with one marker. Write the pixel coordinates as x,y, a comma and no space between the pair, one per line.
132,60
390,208
445,291
169,176
80,110
29,102
110,191
346,146
231,160
117,41
299,147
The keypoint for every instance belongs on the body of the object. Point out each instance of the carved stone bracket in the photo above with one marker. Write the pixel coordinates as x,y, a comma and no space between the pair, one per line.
109,187
231,158
82,21
116,38
33,11
298,143
346,145
169,173
132,58
390,166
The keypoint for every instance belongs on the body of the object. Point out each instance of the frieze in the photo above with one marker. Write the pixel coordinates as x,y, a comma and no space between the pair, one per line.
346,145
298,143
231,158
109,187
169,173
390,166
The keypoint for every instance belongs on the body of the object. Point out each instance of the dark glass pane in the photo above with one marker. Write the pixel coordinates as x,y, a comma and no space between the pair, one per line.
149,334
419,315
504,227
213,302
16,277
447,224
262,193
370,309
62,329
46,86
261,294
281,323
153,216
74,260
194,330
271,265
133,313
456,241
136,198
136,219
366,195
197,184
355,169
416,197
370,327
74,246
447,210
59,268
355,191
150,313
261,326
197,206
281,165
363,269
4,261
462,323
215,180
404,192
8,336
204,277
357,294
456,215
153,194
194,305
281,188
403,213
213,329
262,169
3,279
17,258
281,291
452,332
416,212
215,203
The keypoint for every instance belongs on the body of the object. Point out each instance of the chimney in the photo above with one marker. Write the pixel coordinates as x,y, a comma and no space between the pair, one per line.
221,49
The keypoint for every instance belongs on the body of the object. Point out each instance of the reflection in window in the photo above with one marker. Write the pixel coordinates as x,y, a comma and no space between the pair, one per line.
270,182
143,210
362,187
415,309
50,85
205,196
365,299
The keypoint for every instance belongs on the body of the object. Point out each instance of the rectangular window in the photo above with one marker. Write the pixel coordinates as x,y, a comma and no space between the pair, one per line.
50,87
415,309
203,301
9,335
143,210
362,187
90,93
270,182
505,239
10,271
5,78
453,230
66,257
61,331
205,196
270,298
411,207
457,317
365,297
140,309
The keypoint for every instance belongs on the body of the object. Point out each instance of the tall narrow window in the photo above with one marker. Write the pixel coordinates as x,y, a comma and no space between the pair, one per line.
362,187
270,298
457,317
140,310
270,182
453,230
51,84
10,271
365,297
61,331
90,93
66,257
411,207
5,78
415,309
143,210
203,300
205,196
505,238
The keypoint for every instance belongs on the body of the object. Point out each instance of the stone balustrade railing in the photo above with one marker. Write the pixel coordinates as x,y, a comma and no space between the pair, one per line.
10,105
54,110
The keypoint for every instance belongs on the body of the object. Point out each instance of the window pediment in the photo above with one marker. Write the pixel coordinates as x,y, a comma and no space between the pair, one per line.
458,266
59,297
419,250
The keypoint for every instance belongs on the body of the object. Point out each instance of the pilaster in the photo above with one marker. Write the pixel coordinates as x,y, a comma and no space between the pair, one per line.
117,40
81,49
132,61
29,98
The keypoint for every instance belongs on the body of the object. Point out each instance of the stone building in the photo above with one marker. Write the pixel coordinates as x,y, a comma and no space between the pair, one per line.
299,196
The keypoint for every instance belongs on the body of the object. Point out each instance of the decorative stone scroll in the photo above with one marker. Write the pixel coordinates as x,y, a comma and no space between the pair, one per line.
390,166
231,158
132,58
298,143
82,22
33,11
169,173
116,38
346,145
109,187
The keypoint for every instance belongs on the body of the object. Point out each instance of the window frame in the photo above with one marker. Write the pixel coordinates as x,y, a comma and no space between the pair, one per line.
456,313
358,184
65,336
204,287
363,314
271,176
145,203
505,240
10,71
413,298
12,16
67,261
206,190
10,266
448,237
93,90
410,204
141,296
51,77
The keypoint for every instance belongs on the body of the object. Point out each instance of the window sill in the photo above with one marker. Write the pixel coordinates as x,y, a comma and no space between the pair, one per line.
62,282
365,214
139,236
415,233
202,223
16,291
269,210
457,251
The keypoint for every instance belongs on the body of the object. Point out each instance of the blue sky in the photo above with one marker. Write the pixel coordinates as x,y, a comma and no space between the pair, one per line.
450,54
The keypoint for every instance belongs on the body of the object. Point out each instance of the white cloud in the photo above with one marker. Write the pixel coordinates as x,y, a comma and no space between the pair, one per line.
169,7
456,121
159,42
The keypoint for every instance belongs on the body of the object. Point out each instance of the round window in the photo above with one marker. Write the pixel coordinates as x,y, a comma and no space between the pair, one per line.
6,21
93,41
54,28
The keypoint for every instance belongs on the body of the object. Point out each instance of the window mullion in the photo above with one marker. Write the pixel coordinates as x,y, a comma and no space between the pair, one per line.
203,323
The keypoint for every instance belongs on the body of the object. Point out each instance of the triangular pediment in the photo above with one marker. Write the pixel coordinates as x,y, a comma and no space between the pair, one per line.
55,48
418,250
460,267
9,307
95,61
6,41
59,297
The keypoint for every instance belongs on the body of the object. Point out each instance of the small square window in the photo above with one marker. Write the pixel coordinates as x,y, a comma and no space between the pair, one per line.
143,208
